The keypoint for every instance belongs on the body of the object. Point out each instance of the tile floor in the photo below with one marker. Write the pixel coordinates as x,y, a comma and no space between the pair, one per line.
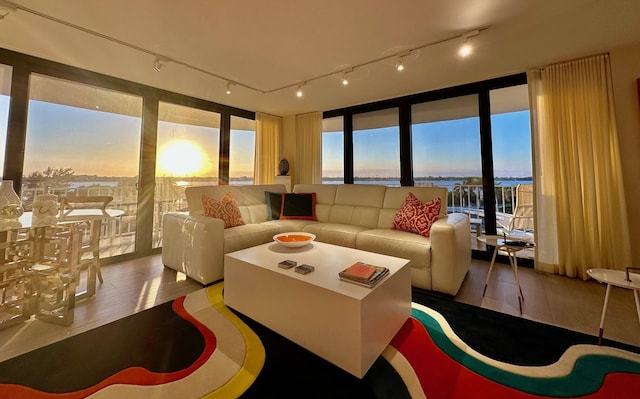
566,302
136,285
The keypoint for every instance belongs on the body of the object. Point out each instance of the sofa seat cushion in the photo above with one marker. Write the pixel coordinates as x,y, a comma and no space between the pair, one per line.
248,235
335,233
397,243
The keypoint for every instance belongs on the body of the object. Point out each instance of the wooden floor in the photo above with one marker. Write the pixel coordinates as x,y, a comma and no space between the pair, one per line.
136,285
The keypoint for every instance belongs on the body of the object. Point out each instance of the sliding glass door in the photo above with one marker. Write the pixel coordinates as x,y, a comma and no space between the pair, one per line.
376,148
512,165
445,137
242,150
5,90
85,140
187,155
333,150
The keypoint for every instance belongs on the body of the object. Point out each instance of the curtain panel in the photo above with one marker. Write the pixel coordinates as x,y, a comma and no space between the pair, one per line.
580,208
268,132
309,148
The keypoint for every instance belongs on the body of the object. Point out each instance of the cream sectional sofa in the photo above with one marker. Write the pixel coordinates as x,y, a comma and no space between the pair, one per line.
356,216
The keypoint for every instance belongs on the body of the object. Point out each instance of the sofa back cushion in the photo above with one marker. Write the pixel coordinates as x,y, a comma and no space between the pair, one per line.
250,199
371,206
395,196
300,206
354,204
325,195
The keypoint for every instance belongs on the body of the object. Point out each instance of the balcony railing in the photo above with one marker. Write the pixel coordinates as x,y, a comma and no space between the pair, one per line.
469,199
118,234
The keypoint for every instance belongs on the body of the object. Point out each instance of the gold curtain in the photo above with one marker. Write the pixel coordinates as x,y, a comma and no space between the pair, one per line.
309,148
268,132
581,216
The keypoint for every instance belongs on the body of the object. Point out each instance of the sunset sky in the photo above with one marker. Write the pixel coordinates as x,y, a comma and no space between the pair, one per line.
98,143
92,142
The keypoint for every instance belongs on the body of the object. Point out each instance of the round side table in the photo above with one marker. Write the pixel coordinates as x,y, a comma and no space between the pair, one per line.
618,278
511,247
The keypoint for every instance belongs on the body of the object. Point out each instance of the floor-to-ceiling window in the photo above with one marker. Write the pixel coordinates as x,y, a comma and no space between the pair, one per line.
512,165
333,150
445,137
242,150
187,150
376,147
85,140
474,139
121,133
5,91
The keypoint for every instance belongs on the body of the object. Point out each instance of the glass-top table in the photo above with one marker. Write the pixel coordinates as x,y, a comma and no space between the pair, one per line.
27,218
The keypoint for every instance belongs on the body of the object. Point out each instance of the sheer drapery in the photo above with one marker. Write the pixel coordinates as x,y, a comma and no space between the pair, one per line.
581,217
268,131
309,148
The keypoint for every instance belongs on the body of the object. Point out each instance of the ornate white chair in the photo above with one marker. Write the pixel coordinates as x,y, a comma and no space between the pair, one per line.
79,208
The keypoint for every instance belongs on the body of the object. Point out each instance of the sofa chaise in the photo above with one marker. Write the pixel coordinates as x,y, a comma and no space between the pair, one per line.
357,216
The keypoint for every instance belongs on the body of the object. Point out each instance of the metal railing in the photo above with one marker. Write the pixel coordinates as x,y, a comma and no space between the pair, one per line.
118,234
469,199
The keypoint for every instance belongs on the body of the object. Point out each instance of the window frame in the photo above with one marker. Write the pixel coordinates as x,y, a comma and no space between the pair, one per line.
481,89
24,65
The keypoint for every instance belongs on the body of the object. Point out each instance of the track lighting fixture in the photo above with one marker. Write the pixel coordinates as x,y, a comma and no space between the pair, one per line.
400,63
345,76
466,49
6,7
158,63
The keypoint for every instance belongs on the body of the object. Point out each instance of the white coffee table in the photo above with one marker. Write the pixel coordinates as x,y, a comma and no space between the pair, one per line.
345,324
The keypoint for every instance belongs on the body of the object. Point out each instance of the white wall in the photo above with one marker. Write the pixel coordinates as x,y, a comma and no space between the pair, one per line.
625,66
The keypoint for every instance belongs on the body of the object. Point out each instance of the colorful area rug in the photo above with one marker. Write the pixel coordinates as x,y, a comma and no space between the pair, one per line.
195,347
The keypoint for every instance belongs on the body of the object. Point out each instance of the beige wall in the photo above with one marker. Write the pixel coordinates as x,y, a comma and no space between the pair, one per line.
625,68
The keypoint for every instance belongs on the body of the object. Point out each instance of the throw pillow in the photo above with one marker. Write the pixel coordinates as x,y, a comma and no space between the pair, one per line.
274,203
226,209
298,206
415,216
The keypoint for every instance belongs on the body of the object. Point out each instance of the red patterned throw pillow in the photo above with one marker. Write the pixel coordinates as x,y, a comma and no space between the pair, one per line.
227,209
416,217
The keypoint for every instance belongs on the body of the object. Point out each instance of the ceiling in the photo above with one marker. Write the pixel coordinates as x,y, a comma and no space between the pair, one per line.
269,47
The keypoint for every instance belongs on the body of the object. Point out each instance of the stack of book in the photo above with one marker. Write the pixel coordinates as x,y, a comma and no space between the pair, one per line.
363,274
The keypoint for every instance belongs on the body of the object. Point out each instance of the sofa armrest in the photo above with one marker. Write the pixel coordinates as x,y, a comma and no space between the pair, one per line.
450,252
192,243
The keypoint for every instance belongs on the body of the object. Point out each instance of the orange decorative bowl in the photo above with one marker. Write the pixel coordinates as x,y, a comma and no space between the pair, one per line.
294,240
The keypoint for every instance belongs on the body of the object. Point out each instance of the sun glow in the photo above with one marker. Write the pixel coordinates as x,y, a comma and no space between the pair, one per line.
181,158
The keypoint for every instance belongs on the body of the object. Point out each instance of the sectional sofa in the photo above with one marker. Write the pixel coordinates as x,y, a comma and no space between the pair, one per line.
356,216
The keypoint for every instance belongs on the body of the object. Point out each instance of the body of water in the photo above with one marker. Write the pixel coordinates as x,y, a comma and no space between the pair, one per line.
78,184
441,183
